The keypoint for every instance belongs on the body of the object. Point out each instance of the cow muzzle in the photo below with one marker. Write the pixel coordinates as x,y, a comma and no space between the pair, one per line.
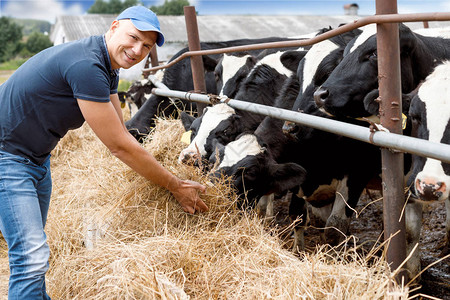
428,189
290,129
320,96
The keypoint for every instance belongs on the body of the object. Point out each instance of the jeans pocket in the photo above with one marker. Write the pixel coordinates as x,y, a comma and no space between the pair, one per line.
16,158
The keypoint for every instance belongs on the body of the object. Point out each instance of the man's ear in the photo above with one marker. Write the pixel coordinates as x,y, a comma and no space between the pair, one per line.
114,26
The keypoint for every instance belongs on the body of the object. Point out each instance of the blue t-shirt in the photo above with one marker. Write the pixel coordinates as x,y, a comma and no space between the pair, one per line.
38,102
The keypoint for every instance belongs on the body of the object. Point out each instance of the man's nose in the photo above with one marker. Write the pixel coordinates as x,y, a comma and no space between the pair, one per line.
137,49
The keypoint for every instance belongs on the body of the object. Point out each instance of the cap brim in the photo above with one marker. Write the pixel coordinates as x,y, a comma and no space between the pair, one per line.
144,26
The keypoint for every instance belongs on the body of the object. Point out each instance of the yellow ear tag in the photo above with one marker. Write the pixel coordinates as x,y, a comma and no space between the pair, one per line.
122,104
186,137
404,118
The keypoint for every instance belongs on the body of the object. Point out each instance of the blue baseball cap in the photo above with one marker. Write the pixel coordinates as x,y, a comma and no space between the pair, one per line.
144,20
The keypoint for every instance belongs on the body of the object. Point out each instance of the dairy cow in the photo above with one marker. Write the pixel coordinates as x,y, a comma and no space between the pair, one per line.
222,122
255,168
311,148
179,77
430,178
343,93
315,68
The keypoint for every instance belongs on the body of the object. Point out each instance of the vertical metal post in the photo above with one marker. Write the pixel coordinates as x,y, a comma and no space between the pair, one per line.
198,73
389,76
153,58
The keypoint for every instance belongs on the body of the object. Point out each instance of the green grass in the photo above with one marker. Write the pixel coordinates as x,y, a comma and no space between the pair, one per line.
124,85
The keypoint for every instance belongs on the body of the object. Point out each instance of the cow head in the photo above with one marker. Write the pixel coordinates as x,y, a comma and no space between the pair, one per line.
253,171
230,72
313,70
343,93
218,122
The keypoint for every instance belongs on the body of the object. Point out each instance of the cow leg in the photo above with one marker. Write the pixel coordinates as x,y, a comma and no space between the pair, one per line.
413,221
338,222
298,211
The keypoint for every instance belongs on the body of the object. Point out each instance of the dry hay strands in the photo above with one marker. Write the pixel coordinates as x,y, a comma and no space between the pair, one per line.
145,247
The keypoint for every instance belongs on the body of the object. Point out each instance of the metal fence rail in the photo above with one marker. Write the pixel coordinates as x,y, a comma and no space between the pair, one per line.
379,138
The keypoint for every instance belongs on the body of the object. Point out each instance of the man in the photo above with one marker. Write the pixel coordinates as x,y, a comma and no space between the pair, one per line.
55,91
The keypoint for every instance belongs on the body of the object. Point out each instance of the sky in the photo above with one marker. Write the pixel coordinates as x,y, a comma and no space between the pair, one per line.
49,9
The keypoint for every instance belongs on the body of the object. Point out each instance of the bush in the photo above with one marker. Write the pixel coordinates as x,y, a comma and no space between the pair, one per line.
37,42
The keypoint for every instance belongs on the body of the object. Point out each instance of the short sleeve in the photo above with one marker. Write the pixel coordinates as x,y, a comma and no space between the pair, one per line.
89,81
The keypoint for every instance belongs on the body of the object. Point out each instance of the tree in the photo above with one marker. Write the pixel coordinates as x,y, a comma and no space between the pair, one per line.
170,8
10,37
37,42
111,6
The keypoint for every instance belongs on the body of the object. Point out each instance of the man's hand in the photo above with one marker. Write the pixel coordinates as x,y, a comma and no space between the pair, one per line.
186,193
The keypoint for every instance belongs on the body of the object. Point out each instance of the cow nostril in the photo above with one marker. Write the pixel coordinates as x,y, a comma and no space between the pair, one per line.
418,185
290,128
320,96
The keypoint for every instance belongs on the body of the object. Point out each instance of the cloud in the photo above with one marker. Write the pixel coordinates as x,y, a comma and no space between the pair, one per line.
40,9
405,7
446,6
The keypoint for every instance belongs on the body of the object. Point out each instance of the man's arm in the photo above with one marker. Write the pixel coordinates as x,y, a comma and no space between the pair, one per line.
116,103
107,124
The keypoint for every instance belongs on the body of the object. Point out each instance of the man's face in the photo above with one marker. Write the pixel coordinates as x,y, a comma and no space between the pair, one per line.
127,45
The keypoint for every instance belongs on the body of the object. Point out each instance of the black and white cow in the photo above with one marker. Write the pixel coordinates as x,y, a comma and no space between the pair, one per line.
138,93
179,77
231,71
315,68
340,156
256,174
222,122
430,178
343,93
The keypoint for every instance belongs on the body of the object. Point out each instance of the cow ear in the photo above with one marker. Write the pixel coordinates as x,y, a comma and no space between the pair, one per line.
370,102
186,120
217,155
251,61
290,59
286,176
209,63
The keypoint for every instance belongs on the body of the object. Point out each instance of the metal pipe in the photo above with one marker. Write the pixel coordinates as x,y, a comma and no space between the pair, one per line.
306,42
153,59
198,73
389,81
379,138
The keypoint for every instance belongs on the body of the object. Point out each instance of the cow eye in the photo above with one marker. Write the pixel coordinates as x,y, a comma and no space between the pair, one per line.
371,56
415,119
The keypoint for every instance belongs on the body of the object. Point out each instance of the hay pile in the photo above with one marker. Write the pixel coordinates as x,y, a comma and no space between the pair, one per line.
143,246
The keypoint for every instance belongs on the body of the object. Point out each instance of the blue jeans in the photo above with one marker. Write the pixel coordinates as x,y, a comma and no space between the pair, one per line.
25,190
